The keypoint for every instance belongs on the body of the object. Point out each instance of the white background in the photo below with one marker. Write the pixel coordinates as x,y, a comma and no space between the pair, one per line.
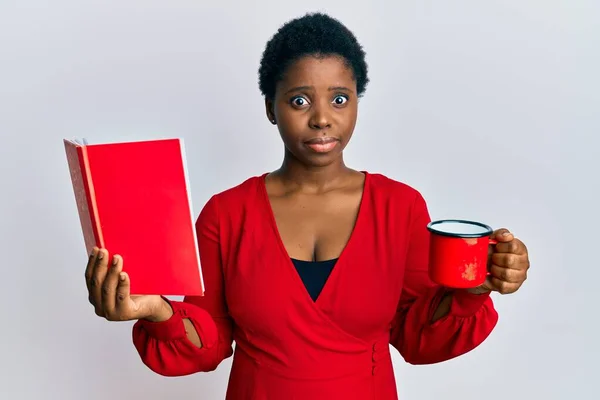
490,108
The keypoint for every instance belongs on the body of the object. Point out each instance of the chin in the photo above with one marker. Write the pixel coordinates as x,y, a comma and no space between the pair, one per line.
314,159
322,160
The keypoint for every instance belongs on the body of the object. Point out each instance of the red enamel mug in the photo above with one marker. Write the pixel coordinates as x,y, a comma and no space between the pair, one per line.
458,252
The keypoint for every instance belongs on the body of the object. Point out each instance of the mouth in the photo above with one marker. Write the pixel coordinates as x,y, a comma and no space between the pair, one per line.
322,144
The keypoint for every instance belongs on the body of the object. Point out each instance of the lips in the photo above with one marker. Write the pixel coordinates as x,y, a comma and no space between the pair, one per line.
323,144
321,140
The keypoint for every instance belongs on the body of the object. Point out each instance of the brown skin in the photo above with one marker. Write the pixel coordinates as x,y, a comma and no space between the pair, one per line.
108,292
315,197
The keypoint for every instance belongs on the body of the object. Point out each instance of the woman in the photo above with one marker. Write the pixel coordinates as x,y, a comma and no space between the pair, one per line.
313,269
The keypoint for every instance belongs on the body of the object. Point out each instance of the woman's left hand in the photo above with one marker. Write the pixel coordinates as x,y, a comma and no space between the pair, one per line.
508,263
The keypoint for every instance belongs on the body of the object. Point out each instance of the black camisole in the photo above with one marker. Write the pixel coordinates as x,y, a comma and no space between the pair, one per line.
314,274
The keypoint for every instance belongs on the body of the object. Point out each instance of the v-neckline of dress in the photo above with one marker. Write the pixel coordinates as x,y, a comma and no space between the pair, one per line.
327,287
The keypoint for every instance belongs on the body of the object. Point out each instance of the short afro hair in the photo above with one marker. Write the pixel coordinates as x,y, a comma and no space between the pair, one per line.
314,34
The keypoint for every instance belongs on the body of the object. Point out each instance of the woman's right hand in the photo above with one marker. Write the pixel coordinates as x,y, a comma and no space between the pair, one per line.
108,292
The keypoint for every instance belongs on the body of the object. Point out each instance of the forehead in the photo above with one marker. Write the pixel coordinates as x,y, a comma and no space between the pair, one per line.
318,72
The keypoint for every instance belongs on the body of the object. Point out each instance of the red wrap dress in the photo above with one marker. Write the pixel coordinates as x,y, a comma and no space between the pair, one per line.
289,346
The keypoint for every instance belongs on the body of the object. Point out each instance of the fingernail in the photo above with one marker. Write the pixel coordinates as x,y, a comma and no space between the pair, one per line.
122,276
115,260
506,234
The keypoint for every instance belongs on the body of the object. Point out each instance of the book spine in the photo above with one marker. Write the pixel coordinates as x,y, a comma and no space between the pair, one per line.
92,206
82,194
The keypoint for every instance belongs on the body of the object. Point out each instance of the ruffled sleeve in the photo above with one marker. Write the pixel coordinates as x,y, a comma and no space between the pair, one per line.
469,322
164,346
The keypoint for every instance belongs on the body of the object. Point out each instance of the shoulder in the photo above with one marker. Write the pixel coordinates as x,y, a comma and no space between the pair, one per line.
386,188
241,192
396,199
234,197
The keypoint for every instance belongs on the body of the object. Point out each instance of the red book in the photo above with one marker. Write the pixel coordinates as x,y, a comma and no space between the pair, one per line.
134,199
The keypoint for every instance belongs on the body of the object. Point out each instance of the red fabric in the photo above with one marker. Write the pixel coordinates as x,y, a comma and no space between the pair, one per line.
288,346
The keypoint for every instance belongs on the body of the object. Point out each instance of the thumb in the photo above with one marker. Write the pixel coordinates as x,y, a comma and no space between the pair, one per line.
485,287
502,235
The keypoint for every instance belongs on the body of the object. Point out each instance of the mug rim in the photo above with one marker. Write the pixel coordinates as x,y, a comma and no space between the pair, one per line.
488,229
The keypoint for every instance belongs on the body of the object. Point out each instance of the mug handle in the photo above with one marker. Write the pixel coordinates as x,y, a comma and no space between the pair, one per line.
491,242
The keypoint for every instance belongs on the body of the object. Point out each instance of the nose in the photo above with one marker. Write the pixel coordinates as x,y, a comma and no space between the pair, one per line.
320,118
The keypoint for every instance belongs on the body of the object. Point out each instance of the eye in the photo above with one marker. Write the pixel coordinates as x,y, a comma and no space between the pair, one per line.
340,100
298,101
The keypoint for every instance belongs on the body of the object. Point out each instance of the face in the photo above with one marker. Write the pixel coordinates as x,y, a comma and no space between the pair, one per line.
315,108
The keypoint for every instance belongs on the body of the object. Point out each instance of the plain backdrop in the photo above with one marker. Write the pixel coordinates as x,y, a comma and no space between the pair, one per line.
489,108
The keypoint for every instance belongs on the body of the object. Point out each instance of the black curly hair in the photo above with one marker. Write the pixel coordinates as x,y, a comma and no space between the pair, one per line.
314,34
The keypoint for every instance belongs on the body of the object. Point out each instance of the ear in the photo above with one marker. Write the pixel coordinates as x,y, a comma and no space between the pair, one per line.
270,111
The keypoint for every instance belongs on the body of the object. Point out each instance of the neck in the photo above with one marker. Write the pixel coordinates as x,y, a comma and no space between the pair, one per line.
312,178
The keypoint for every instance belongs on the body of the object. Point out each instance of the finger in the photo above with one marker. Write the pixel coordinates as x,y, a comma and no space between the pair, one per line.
109,287
514,246
507,274
123,292
509,260
98,275
89,268
503,287
503,235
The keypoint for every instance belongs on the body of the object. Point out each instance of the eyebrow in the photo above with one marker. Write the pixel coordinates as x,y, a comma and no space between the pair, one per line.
331,88
343,88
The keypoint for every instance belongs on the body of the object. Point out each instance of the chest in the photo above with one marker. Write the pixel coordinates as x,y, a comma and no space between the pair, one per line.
316,227
267,298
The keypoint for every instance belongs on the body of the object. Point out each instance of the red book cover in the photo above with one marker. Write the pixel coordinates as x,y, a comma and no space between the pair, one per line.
133,198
